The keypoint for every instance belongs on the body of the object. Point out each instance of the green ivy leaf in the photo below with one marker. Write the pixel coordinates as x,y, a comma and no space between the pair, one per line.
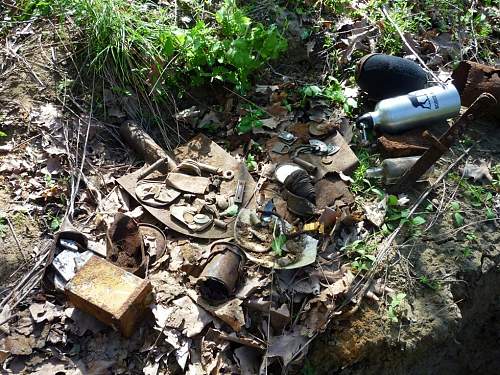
311,91
489,213
455,206
392,200
418,220
55,223
458,218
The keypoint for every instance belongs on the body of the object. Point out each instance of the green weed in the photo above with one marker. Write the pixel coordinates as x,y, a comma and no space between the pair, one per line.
361,183
429,283
251,163
456,213
138,49
397,215
394,309
362,254
333,91
477,195
401,12
278,241
250,120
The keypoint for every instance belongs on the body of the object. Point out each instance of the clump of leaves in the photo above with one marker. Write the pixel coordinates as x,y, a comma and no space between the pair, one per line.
139,49
360,182
394,310
278,241
401,12
333,91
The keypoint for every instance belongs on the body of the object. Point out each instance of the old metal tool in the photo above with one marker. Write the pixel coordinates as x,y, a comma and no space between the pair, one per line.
153,167
441,145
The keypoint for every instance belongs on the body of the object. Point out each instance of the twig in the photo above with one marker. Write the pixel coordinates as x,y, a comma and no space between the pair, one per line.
382,254
424,65
15,238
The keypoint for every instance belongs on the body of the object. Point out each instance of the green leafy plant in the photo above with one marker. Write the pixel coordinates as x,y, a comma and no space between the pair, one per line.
2,134
456,212
397,215
277,245
334,92
360,182
251,163
362,254
138,49
401,12
250,120
394,309
429,283
466,252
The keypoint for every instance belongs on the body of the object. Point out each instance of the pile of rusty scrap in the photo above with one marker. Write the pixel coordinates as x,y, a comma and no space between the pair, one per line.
237,275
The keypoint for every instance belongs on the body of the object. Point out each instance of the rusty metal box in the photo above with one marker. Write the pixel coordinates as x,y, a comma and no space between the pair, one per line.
114,296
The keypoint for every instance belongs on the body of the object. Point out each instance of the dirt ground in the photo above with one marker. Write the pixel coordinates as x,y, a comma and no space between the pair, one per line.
451,326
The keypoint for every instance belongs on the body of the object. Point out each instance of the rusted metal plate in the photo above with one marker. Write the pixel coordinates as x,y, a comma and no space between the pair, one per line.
343,161
203,150
112,295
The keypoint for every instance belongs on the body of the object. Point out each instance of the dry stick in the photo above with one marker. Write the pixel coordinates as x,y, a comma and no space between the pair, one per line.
15,238
382,255
23,281
386,14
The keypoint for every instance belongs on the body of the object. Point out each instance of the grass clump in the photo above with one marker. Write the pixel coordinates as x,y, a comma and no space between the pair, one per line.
141,41
144,49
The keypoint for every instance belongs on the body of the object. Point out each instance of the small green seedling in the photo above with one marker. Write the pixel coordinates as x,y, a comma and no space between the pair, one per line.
429,283
458,218
362,252
394,309
250,121
466,252
278,242
251,163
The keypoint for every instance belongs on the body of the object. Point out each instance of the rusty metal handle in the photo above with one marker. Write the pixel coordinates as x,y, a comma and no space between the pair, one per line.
439,147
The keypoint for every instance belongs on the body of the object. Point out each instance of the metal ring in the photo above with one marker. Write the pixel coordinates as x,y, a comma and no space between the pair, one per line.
228,175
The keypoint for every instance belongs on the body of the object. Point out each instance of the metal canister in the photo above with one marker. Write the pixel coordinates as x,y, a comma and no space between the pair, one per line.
220,276
422,107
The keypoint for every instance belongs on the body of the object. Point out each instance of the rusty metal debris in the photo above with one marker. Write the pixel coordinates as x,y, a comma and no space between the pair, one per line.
205,153
219,278
472,79
441,145
125,245
114,296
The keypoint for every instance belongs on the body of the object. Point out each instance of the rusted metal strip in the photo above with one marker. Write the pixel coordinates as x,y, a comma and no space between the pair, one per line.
439,147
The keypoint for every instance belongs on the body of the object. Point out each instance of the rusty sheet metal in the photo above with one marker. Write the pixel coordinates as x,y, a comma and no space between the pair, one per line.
440,146
112,295
343,161
200,149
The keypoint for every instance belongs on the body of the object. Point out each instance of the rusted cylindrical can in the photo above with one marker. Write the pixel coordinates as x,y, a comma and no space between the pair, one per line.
219,278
